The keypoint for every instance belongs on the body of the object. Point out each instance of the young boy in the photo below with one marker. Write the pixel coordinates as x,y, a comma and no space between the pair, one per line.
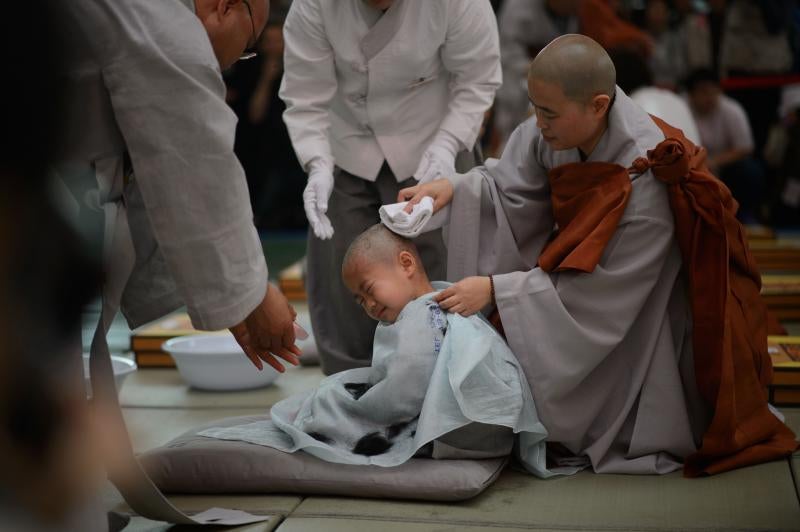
439,385
638,321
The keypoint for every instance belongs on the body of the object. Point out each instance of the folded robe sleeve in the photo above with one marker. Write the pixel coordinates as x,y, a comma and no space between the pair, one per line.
510,237
169,101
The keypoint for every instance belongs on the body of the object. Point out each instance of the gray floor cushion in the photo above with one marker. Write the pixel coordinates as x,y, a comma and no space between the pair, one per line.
196,464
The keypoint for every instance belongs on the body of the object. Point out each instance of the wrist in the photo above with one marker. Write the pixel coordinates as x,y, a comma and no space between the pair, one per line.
319,164
492,299
447,142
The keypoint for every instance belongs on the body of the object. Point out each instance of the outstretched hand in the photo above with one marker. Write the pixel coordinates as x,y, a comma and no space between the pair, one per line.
268,332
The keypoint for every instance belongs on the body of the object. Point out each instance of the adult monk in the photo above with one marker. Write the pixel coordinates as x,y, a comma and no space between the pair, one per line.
603,312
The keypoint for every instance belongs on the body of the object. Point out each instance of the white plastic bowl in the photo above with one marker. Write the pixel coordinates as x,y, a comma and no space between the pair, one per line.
216,362
122,368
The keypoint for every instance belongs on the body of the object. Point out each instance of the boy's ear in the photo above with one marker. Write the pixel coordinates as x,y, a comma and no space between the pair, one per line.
408,262
600,104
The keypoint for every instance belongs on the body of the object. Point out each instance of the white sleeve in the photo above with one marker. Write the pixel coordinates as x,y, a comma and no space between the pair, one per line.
309,82
471,54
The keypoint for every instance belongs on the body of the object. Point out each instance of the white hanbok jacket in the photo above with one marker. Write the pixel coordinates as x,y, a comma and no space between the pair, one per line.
149,159
362,86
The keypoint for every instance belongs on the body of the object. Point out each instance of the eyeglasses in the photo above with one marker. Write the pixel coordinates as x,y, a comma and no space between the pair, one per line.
249,54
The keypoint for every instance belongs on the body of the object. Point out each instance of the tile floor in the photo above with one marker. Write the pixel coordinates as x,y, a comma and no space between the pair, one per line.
158,406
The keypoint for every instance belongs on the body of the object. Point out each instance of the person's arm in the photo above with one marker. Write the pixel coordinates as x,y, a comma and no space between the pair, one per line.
168,100
507,205
309,83
499,218
471,54
516,183
308,86
167,95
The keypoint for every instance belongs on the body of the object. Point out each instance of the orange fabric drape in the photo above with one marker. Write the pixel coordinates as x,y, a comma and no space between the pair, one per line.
729,317
598,20
588,201
732,365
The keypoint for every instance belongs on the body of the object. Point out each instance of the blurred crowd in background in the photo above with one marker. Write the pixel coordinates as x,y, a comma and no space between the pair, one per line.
735,62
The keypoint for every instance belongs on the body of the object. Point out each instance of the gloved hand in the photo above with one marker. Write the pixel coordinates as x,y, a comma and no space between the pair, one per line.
315,198
439,159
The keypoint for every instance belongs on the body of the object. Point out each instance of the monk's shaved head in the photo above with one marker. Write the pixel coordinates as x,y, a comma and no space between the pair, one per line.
377,244
577,64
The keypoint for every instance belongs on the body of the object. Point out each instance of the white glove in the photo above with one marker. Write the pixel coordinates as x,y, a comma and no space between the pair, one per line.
315,199
439,160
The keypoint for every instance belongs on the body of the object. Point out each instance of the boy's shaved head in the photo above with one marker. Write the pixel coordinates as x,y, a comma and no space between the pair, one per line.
377,244
384,273
577,64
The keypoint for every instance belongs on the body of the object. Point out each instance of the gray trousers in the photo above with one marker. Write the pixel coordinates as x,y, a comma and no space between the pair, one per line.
342,330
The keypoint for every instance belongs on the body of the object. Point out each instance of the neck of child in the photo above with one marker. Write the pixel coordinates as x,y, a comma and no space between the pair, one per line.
422,286
588,147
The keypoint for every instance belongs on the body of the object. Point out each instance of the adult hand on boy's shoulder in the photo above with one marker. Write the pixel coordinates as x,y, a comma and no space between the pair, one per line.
467,296
269,331
441,190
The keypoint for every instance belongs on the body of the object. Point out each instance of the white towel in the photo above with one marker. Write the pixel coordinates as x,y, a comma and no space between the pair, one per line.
403,223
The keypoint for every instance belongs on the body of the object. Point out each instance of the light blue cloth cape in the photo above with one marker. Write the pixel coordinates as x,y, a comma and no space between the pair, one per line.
474,379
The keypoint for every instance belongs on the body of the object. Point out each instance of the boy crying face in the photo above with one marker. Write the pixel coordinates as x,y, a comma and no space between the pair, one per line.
384,273
381,288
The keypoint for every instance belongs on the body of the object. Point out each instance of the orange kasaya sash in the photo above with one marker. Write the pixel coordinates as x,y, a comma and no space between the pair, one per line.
729,337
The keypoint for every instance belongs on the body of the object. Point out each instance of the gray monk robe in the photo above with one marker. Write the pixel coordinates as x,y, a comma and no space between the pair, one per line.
608,354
